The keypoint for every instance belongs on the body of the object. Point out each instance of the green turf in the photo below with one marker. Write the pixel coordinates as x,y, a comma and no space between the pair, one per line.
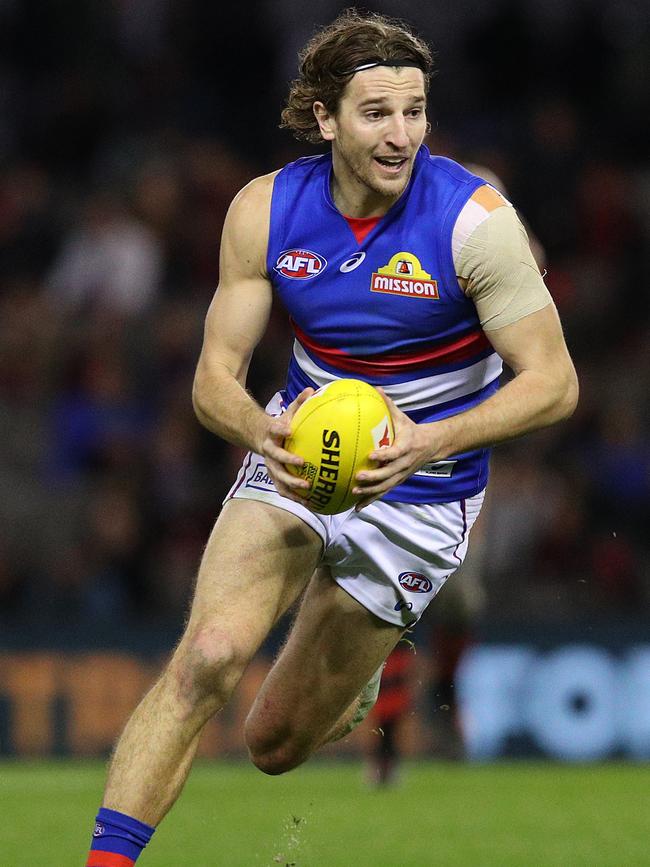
323,815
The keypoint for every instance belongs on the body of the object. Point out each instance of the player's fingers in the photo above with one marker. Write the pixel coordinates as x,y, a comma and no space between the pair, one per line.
291,493
281,476
385,470
365,501
273,451
298,402
395,411
288,494
377,482
304,394
377,489
287,484
365,480
387,453
279,428
401,444
291,483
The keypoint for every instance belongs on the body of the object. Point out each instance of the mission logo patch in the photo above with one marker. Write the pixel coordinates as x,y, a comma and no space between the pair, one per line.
405,276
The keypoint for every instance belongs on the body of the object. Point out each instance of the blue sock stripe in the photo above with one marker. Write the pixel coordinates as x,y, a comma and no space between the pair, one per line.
120,834
131,828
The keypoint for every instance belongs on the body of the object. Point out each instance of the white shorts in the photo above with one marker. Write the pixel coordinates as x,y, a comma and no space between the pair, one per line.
391,557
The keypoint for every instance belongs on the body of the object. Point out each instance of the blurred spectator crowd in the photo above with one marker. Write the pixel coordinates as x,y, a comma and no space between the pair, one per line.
125,131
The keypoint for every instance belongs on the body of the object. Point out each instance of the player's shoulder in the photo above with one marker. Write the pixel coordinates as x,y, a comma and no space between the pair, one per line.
255,194
253,202
449,168
302,174
246,228
489,209
249,212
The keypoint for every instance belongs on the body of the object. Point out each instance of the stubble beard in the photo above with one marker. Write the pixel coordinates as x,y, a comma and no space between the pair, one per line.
361,171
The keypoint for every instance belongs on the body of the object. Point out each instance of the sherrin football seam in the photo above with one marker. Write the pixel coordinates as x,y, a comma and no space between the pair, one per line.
314,409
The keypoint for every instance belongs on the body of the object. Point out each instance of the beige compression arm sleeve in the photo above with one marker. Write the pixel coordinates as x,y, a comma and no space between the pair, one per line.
494,263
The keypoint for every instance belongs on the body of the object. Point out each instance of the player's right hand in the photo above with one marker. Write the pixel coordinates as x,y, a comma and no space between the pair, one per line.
276,457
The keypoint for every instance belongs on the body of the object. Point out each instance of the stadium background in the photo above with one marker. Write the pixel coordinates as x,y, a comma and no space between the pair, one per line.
125,130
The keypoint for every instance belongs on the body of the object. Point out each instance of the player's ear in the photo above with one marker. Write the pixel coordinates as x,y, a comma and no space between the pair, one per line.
326,121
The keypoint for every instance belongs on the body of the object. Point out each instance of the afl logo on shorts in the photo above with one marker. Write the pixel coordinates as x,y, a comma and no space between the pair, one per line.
300,264
415,582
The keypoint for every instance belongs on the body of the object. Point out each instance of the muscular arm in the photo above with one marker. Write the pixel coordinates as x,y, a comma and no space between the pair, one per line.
497,270
543,391
236,321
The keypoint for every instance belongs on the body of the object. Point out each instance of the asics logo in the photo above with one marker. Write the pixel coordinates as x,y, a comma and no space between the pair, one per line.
353,262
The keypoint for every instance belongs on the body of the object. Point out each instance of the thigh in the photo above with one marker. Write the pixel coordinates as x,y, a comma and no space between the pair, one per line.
333,649
395,557
257,561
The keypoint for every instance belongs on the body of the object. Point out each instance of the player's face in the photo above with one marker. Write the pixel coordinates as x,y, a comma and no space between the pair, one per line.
378,129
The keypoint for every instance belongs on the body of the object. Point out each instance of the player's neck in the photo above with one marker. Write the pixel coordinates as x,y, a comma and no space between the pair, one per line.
354,198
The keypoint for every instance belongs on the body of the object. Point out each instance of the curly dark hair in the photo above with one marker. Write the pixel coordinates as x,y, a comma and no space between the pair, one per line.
330,55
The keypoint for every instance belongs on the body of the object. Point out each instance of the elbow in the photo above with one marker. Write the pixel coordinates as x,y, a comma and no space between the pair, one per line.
569,400
198,399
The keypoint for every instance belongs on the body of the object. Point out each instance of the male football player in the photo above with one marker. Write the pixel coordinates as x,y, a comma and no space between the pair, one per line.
396,267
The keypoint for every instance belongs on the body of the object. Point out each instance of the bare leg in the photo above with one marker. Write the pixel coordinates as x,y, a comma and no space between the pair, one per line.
357,711
334,648
257,561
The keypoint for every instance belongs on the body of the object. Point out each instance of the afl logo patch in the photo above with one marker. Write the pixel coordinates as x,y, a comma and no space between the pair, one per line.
353,262
415,582
300,264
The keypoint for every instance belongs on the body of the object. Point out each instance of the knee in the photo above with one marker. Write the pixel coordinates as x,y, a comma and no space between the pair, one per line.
275,749
279,759
207,666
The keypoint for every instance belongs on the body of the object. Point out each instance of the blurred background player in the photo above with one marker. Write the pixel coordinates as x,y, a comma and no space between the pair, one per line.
394,703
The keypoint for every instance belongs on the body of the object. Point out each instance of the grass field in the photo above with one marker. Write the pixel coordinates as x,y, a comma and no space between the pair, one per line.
323,815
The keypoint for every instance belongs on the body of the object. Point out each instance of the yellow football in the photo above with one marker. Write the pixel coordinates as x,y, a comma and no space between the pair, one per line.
334,431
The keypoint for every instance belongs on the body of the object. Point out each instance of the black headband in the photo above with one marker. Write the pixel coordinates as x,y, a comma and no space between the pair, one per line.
370,64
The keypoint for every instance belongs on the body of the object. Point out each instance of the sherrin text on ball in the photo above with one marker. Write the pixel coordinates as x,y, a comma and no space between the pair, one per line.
334,431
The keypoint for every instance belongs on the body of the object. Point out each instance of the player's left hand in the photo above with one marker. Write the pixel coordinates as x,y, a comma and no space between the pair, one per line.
411,448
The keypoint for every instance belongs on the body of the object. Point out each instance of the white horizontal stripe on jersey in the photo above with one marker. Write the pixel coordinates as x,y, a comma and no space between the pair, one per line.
418,393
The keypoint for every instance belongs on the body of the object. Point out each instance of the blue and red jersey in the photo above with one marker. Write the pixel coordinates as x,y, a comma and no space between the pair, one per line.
386,308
